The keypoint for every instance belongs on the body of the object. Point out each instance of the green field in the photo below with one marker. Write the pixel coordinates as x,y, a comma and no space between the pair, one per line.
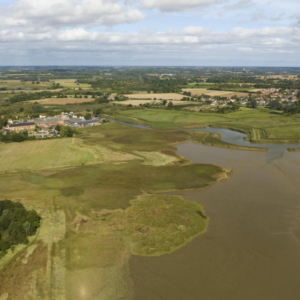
262,125
73,85
42,154
25,85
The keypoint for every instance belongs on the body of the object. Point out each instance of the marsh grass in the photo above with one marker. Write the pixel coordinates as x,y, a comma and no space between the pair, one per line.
155,224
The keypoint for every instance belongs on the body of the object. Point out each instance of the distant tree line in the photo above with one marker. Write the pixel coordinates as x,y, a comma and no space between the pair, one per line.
32,96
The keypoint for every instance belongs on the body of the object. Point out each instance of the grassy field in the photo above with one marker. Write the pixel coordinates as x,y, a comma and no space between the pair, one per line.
155,96
264,125
94,216
71,84
15,84
159,102
214,93
42,154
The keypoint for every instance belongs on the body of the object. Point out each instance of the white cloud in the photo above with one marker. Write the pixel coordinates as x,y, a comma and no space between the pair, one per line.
194,30
63,13
68,28
177,5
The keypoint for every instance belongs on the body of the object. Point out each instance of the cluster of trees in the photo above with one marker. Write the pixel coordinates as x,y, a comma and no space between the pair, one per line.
231,87
31,96
128,83
228,108
3,122
275,104
252,103
16,224
65,131
15,137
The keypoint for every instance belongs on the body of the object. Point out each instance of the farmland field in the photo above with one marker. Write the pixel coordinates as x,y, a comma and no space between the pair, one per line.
163,96
18,84
70,83
138,102
214,93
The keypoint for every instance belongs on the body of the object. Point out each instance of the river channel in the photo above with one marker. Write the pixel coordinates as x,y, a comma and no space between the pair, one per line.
251,250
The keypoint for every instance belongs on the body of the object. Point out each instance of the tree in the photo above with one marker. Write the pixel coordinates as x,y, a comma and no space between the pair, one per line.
66,131
275,105
88,116
57,127
17,137
98,111
170,105
252,103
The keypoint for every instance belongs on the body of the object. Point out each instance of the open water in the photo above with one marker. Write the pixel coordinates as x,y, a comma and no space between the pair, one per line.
251,250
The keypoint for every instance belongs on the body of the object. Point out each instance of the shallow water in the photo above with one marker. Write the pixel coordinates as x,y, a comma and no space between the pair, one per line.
251,250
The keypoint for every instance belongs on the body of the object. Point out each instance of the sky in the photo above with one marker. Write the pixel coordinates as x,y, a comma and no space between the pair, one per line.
150,32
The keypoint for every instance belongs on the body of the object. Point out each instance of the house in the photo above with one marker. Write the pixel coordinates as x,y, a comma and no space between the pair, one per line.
86,123
20,126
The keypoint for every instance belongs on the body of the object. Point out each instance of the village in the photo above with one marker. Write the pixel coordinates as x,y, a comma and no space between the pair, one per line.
44,126
263,98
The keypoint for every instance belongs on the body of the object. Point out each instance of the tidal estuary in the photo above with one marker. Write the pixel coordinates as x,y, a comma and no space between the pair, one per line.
251,250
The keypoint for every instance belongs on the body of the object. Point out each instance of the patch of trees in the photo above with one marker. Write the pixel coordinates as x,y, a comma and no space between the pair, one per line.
228,108
3,122
16,224
15,137
31,96
276,105
292,109
136,82
65,131
231,87
252,103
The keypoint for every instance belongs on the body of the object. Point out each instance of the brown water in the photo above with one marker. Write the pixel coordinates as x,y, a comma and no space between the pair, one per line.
251,250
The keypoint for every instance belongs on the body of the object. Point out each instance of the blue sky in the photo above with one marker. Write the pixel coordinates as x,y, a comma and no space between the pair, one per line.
150,32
